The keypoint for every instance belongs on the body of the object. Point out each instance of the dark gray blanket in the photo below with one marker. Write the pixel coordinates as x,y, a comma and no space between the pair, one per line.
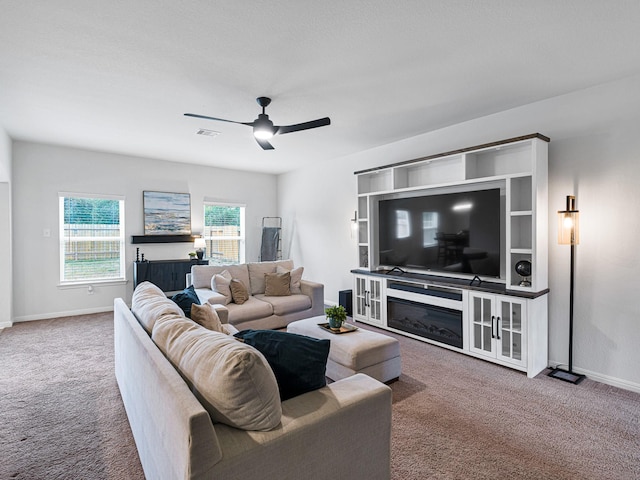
269,247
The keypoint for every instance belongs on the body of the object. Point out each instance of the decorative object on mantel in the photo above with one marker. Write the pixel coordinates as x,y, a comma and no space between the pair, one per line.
523,268
569,234
167,213
336,315
200,245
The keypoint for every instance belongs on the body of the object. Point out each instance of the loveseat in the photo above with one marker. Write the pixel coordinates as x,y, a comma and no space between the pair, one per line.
202,405
261,309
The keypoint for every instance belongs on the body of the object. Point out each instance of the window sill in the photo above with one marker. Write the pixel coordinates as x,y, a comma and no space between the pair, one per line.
89,283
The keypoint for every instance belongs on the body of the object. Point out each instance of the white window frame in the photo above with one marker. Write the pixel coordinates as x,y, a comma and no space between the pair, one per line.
63,240
241,238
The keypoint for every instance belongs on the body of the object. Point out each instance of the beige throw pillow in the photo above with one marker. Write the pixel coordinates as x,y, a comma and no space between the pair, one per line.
239,292
206,316
220,283
277,284
296,278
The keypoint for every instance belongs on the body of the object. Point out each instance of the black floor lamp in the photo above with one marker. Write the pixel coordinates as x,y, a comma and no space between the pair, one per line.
569,234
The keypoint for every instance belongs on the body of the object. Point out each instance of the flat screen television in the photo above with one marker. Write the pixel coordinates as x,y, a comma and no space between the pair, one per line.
451,233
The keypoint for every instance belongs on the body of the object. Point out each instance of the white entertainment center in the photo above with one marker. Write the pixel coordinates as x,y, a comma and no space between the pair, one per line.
502,320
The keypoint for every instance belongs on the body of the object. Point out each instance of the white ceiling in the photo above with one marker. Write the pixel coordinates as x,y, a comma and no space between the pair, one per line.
117,75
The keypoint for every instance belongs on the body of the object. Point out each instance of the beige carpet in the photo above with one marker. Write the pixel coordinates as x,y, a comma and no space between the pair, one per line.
454,417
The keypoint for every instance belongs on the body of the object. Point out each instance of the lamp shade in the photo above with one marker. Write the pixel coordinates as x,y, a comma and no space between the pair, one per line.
199,243
569,223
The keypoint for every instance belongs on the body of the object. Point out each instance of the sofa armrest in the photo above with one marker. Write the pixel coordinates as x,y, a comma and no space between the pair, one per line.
354,411
172,430
222,311
315,291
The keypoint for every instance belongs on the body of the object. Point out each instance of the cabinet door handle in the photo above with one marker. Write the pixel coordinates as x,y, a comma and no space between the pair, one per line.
493,332
366,298
498,328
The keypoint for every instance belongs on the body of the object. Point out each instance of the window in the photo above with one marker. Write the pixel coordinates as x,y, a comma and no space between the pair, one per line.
403,225
91,238
429,228
224,233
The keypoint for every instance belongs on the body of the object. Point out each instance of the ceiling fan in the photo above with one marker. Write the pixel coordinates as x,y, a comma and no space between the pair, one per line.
264,129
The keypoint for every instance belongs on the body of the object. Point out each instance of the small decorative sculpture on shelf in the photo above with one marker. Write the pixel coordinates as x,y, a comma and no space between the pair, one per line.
523,268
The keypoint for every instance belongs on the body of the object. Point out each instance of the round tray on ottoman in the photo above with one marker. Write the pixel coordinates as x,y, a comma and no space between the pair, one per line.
360,351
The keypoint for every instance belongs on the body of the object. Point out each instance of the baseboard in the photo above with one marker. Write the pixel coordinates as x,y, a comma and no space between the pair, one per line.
5,325
70,313
606,379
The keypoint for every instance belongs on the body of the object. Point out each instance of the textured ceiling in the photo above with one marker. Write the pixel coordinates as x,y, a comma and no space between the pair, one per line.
118,75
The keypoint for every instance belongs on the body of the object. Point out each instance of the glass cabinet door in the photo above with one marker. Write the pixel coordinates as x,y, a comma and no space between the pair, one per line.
511,329
360,298
482,324
375,300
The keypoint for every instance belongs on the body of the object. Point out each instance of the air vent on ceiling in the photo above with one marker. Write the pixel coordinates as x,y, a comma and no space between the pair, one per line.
207,133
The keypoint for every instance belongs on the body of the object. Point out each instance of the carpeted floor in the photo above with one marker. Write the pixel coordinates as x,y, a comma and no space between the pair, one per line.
454,417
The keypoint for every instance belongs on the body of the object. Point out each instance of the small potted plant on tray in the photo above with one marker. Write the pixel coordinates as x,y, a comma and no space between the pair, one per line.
336,315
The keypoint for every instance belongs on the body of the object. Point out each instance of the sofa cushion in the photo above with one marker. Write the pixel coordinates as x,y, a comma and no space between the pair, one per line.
286,305
296,277
169,327
249,310
239,292
220,283
298,362
233,381
257,272
206,316
277,284
201,275
258,269
150,303
185,299
240,272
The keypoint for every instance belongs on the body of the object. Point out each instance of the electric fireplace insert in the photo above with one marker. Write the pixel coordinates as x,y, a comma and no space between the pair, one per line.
436,323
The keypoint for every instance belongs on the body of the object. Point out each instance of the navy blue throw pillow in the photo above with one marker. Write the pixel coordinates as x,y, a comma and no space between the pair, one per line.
298,362
185,299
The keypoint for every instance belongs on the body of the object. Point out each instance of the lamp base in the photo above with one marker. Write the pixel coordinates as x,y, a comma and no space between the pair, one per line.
566,376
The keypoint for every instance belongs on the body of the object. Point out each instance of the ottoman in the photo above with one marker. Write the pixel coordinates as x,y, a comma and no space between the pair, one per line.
362,351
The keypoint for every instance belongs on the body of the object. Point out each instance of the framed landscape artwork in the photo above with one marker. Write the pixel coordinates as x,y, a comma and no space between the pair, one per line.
167,213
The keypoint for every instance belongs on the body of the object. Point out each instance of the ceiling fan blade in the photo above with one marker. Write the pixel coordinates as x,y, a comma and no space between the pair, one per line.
264,144
217,119
303,126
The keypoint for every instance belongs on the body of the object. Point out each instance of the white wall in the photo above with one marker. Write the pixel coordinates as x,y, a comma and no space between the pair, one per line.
594,153
6,283
41,171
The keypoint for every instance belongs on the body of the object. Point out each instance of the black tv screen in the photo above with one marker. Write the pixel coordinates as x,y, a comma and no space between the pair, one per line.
457,233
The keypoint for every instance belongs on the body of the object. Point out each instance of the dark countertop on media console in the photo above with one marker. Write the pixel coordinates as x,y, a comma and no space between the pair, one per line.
436,280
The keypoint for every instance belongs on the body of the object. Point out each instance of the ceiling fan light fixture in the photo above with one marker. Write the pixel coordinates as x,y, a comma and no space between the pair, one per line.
263,127
263,132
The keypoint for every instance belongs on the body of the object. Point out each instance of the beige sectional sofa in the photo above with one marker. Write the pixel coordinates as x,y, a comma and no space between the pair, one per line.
202,405
260,311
